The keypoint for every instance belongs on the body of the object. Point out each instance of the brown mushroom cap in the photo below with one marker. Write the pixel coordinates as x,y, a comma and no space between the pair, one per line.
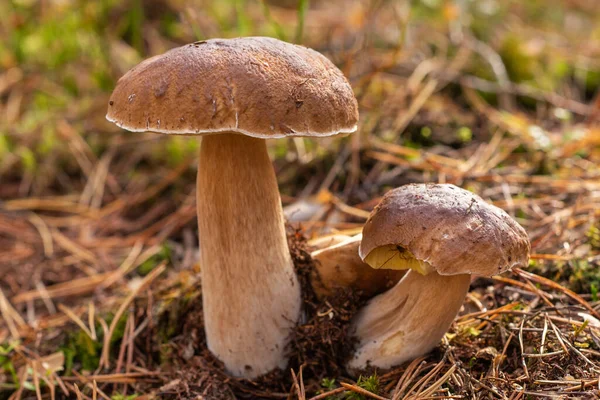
256,86
452,229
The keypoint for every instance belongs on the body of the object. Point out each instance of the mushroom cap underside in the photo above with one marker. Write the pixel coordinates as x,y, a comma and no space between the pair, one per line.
256,86
452,229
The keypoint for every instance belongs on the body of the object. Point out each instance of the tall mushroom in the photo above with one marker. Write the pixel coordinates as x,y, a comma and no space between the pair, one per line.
239,92
442,234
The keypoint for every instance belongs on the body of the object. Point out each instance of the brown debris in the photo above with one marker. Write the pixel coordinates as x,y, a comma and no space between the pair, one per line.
81,228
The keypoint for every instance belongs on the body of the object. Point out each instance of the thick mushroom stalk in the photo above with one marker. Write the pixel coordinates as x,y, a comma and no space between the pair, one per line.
251,296
408,320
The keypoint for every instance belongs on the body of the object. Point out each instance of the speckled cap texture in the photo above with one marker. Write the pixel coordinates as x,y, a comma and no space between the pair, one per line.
257,86
452,229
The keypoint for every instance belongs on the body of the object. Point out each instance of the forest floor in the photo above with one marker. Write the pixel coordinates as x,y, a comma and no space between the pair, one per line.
100,295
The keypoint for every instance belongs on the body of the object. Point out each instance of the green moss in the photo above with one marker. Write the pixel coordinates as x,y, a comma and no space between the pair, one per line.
6,364
104,81
171,316
164,254
5,144
180,148
28,159
519,64
328,383
577,275
593,235
169,25
464,134
369,383
80,349
426,132
589,79
48,141
135,20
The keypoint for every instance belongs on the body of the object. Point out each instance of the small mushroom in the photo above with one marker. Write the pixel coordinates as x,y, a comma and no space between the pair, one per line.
236,93
442,234
339,267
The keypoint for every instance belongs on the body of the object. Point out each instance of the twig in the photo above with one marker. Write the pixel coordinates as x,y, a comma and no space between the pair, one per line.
362,391
104,359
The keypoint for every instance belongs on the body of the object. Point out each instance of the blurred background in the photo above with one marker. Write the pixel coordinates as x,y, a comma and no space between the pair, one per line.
496,96
427,73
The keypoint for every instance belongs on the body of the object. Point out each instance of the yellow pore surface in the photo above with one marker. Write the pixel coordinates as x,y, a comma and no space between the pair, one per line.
396,257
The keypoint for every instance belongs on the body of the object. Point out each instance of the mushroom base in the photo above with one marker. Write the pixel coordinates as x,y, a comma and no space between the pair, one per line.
251,296
408,320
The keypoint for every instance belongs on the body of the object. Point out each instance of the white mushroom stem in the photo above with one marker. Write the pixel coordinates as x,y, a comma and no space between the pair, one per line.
251,296
408,320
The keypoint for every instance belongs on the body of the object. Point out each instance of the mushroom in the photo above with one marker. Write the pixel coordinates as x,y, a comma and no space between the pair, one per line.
442,234
239,92
339,267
